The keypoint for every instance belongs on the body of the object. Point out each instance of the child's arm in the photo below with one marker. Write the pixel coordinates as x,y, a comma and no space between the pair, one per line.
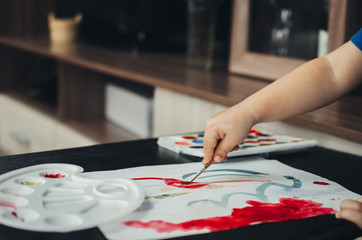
310,86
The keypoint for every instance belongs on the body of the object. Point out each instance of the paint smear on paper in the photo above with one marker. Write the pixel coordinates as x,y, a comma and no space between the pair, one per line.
163,196
176,183
320,183
186,184
257,212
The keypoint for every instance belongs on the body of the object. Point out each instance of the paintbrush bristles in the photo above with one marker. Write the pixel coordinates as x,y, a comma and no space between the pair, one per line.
204,167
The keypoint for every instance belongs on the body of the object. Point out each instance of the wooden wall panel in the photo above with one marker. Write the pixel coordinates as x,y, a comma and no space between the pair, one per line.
81,93
24,17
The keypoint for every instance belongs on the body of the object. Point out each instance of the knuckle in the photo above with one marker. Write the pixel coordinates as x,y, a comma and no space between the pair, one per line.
345,214
351,204
359,207
221,151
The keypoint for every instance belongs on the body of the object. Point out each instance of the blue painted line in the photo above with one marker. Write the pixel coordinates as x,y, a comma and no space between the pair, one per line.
259,192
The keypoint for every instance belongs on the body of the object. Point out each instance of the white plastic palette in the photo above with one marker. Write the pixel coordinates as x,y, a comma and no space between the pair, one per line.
55,198
257,142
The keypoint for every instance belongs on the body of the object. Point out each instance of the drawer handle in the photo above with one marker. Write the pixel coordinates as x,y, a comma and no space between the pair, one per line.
20,138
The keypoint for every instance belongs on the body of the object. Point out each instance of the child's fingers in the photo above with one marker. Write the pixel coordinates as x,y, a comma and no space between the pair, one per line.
351,215
223,148
351,210
210,143
352,204
208,154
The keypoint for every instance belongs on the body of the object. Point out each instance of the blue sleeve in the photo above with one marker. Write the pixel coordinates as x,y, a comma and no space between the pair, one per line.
357,39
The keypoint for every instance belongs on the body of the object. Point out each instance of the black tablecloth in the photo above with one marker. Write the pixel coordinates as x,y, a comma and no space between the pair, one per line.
345,169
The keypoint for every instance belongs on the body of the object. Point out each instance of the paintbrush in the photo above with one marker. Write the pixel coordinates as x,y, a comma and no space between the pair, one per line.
204,167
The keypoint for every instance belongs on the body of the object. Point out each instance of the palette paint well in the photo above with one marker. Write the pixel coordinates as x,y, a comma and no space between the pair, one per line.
257,142
57,198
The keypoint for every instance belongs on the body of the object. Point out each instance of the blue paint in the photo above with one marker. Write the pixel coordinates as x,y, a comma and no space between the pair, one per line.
226,170
259,192
145,206
228,174
201,141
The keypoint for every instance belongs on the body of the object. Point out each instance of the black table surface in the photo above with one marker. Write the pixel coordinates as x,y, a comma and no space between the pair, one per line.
345,169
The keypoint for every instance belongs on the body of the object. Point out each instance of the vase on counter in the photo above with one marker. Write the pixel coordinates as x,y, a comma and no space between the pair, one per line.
63,30
201,30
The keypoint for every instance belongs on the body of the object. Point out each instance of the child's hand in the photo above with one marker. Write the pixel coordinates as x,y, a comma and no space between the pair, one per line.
351,210
225,131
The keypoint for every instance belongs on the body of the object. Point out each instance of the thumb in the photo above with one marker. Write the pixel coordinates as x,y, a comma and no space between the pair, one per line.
223,148
210,143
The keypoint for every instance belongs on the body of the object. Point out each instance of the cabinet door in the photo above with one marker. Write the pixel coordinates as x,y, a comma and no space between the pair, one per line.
23,129
65,137
179,113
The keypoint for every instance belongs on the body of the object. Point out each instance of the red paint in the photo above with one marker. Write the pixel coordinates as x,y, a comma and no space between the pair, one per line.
190,137
266,140
258,212
16,215
320,183
254,131
176,183
184,143
260,140
8,204
250,141
54,175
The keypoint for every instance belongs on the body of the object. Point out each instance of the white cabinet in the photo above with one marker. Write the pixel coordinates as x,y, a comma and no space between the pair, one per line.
179,113
23,129
65,137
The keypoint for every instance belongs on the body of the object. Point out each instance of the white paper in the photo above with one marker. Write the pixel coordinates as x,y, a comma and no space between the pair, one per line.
264,181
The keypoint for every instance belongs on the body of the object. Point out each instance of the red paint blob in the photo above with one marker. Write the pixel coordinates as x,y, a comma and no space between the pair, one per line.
320,183
184,143
254,131
176,183
190,137
258,212
54,175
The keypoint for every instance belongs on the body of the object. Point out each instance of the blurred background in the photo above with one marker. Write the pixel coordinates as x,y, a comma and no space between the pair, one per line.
82,72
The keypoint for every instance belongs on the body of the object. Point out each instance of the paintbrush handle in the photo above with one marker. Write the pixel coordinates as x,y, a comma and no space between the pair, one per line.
204,167
209,164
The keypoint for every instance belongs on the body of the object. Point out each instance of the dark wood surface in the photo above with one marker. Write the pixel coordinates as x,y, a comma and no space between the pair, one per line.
336,166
